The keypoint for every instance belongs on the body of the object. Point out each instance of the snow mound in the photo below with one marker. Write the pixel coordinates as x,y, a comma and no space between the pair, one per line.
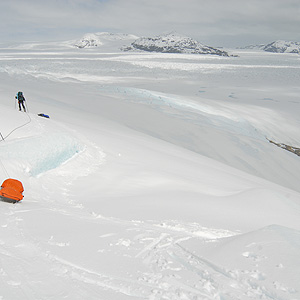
261,260
173,43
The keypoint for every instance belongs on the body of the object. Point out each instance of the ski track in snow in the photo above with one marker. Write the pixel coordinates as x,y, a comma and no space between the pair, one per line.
171,271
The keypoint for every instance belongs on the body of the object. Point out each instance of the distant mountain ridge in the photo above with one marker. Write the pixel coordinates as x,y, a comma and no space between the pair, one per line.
173,43
169,43
279,46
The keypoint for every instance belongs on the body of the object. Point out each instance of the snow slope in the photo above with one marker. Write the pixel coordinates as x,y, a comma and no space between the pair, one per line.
153,177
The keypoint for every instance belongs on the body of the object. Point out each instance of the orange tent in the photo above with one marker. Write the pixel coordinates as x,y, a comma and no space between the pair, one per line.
12,189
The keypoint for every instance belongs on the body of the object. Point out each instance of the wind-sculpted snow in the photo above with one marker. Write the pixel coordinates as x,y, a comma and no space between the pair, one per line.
191,111
40,154
35,145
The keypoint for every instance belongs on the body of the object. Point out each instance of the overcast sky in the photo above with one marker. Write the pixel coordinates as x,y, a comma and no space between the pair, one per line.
213,22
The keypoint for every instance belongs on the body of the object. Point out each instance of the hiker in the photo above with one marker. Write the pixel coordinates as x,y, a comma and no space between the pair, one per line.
21,99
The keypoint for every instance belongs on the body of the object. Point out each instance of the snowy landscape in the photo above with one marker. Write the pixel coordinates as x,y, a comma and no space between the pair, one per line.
157,175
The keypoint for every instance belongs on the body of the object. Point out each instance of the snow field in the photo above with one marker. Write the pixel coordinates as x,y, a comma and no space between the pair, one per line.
134,191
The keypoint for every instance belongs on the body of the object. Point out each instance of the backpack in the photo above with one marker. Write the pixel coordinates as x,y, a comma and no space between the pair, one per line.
20,96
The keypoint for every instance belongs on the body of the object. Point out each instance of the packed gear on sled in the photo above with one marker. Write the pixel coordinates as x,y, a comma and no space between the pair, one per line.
21,99
43,115
11,190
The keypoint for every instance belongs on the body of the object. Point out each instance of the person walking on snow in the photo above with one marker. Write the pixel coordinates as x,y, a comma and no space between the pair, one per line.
21,99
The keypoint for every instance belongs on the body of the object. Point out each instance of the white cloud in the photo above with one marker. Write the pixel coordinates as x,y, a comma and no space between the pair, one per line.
205,20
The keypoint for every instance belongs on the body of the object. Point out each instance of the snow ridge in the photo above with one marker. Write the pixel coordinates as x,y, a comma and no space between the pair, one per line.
173,43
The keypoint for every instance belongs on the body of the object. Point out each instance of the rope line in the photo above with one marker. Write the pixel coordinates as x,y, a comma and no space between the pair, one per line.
29,120
3,138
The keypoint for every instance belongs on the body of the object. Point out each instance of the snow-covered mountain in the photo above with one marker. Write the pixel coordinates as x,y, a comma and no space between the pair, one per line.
99,39
279,46
173,43
283,47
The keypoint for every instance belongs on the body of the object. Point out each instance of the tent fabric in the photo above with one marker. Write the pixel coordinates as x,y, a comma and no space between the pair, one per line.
12,188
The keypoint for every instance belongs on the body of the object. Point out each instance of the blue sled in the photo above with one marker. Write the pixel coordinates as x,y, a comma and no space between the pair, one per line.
43,115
